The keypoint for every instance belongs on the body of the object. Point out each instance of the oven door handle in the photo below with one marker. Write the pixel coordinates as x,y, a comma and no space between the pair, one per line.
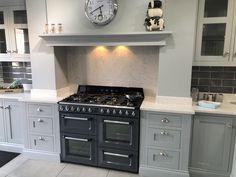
76,118
76,139
116,122
116,155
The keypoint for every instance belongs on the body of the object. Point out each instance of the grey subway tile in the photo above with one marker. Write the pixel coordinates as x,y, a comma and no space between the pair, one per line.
215,83
231,83
204,74
204,82
195,68
221,89
194,82
233,69
204,68
203,88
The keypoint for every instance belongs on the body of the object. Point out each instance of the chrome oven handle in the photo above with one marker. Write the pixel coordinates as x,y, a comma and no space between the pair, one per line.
116,155
117,122
76,139
76,118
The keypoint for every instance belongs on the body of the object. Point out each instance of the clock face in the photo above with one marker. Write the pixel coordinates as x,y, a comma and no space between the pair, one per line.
101,12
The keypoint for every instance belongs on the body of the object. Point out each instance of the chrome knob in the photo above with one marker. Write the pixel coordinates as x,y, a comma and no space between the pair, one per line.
61,108
114,111
84,109
133,114
67,108
126,113
40,120
165,120
89,110
120,112
72,108
108,111
102,111
78,109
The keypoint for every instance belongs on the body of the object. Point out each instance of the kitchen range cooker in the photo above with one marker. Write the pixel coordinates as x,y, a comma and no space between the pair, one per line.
100,127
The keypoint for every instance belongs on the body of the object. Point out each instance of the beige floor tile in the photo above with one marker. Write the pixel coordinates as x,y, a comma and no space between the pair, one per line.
82,171
37,168
121,174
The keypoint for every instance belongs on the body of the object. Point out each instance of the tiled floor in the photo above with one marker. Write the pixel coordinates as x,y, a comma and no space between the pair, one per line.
23,167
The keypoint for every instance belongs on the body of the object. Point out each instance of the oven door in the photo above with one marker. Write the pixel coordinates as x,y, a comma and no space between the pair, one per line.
118,159
78,123
119,132
78,149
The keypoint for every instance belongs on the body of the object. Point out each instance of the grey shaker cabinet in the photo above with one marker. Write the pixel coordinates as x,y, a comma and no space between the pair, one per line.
164,144
212,145
11,121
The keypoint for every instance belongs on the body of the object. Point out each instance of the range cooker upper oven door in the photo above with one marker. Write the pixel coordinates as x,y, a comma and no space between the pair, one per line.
77,123
119,132
78,148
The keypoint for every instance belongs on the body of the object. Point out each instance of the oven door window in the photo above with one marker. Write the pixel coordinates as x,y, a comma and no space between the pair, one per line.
118,132
78,147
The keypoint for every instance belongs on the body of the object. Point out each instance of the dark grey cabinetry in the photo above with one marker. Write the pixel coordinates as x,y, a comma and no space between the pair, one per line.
212,145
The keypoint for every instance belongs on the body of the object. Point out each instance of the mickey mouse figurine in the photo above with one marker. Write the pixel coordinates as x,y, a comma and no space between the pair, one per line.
154,20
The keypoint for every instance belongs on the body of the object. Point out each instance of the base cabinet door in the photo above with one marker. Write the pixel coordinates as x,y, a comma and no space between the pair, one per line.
13,117
213,138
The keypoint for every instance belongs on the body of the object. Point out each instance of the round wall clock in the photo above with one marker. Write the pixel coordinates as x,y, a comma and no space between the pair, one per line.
101,12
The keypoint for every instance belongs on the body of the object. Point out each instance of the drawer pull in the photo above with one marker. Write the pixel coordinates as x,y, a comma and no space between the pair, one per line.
41,138
164,133
165,120
40,120
39,109
116,155
163,154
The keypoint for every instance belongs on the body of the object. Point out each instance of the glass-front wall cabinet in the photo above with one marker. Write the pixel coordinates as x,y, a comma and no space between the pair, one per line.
14,38
214,30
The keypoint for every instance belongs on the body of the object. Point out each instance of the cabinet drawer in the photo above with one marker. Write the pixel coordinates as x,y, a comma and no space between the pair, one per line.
164,138
43,143
163,158
164,120
41,125
40,109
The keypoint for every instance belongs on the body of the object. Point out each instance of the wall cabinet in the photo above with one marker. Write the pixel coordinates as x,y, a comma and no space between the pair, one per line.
212,146
11,121
165,142
215,40
14,39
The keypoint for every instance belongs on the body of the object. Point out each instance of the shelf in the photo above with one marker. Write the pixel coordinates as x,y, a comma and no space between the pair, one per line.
132,39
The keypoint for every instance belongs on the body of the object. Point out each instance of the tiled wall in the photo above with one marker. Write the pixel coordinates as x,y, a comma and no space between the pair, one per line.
10,71
214,79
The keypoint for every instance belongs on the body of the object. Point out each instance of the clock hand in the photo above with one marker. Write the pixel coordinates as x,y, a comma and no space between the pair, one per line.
97,9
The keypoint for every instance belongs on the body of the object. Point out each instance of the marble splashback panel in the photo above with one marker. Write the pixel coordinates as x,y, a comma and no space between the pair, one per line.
114,66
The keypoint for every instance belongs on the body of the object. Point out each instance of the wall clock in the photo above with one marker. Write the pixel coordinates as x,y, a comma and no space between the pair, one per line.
101,12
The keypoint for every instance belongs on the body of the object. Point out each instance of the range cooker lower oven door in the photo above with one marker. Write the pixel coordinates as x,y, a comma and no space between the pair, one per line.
118,132
77,123
78,149
118,159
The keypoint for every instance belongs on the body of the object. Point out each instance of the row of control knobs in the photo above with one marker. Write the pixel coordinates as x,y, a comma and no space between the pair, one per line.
102,110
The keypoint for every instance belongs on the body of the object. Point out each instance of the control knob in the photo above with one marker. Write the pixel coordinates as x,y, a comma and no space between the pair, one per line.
133,114
126,113
84,109
114,111
89,110
72,108
78,109
102,111
108,111
120,112
67,108
61,108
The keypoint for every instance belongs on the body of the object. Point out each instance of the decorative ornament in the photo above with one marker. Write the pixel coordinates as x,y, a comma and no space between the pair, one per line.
154,20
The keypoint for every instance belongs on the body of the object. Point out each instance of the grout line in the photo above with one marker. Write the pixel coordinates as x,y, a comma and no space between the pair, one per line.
61,170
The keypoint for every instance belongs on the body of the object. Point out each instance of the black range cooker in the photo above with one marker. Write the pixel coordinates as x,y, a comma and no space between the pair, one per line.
100,127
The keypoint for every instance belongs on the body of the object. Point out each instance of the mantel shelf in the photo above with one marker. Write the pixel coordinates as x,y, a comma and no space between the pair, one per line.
131,39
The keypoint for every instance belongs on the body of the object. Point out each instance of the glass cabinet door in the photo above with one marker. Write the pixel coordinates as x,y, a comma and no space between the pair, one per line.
3,32
214,30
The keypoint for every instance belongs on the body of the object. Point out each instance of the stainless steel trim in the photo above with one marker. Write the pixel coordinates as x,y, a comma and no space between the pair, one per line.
76,118
115,154
96,105
76,139
116,122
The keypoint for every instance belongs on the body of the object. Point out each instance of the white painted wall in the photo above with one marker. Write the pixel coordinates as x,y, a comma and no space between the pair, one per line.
117,66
